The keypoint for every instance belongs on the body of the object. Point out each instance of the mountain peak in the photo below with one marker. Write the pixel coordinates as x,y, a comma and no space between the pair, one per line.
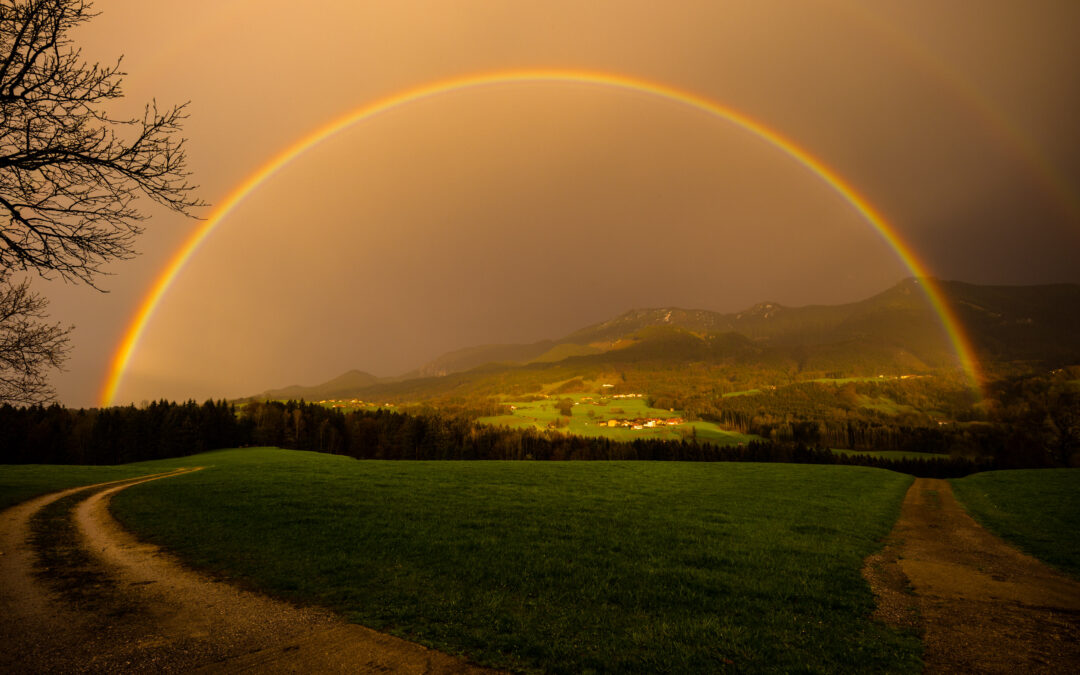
762,310
897,327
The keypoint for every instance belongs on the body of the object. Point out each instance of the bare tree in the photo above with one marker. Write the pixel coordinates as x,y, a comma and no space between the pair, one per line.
71,176
29,346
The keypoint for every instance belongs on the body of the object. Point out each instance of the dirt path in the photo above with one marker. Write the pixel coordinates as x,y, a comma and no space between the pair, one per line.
107,602
980,605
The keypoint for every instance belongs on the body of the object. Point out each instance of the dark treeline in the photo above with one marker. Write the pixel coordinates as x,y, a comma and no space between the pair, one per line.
382,434
57,435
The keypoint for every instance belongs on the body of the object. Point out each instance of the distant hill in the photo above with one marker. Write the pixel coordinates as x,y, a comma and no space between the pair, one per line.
895,331
471,357
1033,323
340,386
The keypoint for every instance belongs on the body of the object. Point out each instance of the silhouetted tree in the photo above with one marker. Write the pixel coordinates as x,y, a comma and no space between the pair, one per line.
29,345
70,174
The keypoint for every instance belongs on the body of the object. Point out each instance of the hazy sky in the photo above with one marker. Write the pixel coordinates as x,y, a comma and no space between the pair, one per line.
524,211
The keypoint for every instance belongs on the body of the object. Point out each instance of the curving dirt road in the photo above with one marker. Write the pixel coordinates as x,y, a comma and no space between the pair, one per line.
91,598
980,605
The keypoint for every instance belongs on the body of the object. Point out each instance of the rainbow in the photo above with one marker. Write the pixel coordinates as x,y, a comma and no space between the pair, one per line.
989,116
145,311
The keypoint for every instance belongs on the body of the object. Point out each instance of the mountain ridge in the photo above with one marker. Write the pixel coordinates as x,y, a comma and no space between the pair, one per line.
894,329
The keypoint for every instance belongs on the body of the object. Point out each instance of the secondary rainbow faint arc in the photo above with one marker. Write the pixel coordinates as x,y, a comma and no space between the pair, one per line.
164,280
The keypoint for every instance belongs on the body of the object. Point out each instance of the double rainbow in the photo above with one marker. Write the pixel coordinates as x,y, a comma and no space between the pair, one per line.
153,297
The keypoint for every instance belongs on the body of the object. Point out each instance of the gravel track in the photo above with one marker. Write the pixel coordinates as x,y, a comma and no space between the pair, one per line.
980,605
120,605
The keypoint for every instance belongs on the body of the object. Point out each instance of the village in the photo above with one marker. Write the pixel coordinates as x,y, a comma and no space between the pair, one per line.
632,423
352,403
643,422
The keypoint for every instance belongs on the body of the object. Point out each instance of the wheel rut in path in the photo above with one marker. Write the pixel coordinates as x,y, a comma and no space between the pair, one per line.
94,599
980,605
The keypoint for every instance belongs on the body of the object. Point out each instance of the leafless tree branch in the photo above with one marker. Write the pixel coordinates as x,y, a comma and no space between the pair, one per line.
71,177
29,345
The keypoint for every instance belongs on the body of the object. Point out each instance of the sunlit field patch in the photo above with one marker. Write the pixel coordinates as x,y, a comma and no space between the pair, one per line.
554,566
592,414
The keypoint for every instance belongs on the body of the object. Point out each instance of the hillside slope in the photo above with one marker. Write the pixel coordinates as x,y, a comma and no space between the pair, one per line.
895,331
342,385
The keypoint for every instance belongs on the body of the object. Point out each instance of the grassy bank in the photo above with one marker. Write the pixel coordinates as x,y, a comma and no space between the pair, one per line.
559,567
1038,510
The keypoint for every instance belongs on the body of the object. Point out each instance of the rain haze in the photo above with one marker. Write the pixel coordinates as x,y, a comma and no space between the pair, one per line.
520,211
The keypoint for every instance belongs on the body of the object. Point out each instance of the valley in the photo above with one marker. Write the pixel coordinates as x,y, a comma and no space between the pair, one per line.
877,376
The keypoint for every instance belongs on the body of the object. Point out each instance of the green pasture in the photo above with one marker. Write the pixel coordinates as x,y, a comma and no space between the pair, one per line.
346,405
845,380
1038,510
884,404
748,392
564,567
589,418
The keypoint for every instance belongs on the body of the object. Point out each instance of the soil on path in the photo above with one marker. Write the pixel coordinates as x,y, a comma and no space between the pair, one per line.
109,603
981,605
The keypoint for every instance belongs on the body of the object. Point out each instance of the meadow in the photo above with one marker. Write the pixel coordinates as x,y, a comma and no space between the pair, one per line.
556,567
591,412
570,566
1037,510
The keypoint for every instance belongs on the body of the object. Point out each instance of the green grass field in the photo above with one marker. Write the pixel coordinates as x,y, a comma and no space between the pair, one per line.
557,567
543,413
748,392
845,380
886,405
1038,510
347,405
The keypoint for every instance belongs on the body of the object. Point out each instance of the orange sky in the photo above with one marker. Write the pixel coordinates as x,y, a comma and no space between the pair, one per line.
518,213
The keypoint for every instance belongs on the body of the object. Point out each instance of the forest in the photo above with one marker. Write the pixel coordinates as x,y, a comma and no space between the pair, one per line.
1022,421
58,435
